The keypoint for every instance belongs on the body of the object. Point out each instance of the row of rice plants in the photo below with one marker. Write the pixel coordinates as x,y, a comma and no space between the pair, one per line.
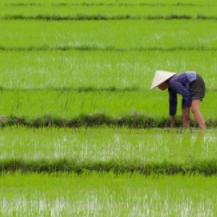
125,34
107,195
104,144
53,27
105,11
34,104
93,108
131,2
107,149
51,150
99,70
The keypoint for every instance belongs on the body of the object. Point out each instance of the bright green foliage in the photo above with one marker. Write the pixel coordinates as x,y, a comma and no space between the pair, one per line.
107,144
60,65
60,104
124,34
157,2
106,10
101,66
107,195
83,69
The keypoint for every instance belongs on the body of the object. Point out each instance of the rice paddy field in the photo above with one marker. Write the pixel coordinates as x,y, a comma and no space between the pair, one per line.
81,134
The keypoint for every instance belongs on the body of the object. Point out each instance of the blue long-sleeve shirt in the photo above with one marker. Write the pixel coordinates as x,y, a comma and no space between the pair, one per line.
180,84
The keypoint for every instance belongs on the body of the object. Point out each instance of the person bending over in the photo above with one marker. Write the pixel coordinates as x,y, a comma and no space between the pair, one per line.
192,88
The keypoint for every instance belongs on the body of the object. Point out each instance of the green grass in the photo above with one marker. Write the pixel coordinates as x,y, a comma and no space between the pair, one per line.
107,144
107,195
99,69
70,104
140,34
204,2
104,67
96,73
107,10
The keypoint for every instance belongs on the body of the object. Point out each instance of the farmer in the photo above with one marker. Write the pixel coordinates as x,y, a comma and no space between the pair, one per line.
192,88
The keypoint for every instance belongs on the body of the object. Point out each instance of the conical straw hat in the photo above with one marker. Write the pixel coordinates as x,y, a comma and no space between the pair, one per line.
160,77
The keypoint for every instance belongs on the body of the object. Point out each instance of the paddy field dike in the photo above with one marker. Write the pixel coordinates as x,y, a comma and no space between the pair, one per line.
81,134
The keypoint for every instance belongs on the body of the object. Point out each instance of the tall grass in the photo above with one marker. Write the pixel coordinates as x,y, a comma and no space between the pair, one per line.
107,195
103,150
102,70
118,34
91,73
153,2
118,105
105,11
108,146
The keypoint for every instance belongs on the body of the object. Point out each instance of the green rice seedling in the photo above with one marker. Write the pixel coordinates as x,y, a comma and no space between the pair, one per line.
107,195
105,144
100,69
154,2
31,105
76,11
126,34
